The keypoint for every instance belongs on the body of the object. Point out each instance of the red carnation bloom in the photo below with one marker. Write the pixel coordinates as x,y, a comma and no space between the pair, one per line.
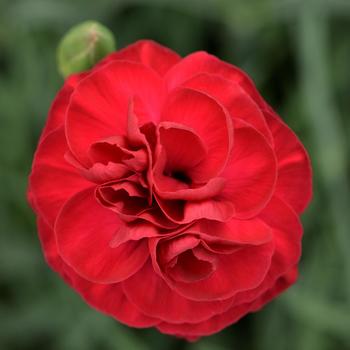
168,192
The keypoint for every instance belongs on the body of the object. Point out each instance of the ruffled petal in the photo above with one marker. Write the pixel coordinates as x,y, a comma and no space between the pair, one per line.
126,198
184,149
84,230
210,121
183,212
220,321
57,113
100,173
234,98
294,182
242,269
107,298
251,173
99,106
192,266
211,209
134,232
287,232
53,180
147,52
234,232
161,302
168,190
202,62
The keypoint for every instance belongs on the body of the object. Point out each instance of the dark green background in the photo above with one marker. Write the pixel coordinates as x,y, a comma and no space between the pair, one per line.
297,52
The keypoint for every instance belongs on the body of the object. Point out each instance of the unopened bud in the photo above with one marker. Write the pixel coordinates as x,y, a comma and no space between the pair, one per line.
83,46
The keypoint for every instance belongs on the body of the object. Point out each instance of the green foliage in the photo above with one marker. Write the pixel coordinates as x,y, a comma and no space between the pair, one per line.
297,52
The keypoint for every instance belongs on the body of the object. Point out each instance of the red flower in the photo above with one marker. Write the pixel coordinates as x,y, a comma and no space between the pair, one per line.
168,192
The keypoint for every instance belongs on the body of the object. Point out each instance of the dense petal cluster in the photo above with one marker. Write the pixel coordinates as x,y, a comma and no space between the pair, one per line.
168,192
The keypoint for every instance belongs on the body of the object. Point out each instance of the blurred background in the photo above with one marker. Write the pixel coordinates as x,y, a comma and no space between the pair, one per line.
298,54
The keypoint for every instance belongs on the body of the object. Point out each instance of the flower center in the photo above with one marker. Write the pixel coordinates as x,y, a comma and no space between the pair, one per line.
179,175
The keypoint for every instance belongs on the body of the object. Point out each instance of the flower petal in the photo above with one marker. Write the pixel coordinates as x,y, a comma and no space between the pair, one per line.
193,265
183,147
211,209
238,232
53,180
133,232
287,232
294,182
100,103
107,298
202,62
100,173
148,52
222,320
251,173
161,302
182,212
84,230
242,270
57,113
111,300
211,189
233,97
211,123
116,194
184,259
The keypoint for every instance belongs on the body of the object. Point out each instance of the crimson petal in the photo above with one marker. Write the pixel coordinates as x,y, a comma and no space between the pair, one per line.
183,212
99,105
161,302
113,303
239,232
243,269
53,180
211,123
149,53
57,113
84,230
251,173
211,189
231,95
202,62
183,147
287,232
220,321
294,182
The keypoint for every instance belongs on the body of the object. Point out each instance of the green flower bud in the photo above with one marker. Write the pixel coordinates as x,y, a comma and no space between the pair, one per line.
83,46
